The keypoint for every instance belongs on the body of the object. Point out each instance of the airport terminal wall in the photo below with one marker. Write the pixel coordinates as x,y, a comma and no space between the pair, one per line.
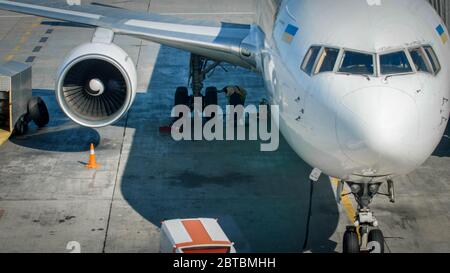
443,8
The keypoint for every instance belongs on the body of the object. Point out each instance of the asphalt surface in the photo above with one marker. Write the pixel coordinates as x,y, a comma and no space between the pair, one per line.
48,198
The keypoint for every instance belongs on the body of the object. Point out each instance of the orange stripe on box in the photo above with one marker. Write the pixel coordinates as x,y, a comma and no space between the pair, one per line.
198,234
197,231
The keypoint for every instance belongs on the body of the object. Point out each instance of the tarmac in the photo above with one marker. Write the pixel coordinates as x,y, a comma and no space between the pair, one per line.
48,198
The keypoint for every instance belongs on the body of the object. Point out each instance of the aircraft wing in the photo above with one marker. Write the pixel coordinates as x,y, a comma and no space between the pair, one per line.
218,41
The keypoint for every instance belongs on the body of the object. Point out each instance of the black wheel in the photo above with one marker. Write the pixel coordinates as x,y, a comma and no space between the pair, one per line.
351,242
181,96
38,111
211,96
376,241
21,126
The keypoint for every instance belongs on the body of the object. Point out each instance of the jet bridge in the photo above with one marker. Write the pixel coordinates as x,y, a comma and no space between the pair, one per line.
443,8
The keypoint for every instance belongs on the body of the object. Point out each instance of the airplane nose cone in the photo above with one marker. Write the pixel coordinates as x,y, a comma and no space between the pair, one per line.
378,129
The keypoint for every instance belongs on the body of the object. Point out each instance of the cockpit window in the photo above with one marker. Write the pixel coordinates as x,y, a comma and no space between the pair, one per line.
327,60
420,60
394,63
433,59
320,59
310,59
425,59
357,63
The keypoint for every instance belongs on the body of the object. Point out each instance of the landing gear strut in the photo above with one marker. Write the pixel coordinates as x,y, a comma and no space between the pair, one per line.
364,235
199,69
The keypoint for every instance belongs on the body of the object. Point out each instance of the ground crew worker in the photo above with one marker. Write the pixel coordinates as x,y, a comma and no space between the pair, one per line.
236,95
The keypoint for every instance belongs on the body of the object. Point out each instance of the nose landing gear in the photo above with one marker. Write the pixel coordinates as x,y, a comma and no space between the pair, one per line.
364,236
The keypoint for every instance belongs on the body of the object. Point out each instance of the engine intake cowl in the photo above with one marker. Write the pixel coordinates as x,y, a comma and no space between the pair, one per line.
96,84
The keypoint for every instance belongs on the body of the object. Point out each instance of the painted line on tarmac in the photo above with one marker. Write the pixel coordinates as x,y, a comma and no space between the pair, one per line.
24,38
350,211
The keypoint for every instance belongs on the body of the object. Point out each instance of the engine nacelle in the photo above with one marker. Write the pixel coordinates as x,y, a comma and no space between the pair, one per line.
96,84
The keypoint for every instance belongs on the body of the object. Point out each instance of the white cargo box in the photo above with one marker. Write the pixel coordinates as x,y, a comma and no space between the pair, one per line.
200,235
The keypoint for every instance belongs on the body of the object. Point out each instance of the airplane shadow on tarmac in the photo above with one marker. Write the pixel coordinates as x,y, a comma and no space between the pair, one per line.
261,199
59,128
443,149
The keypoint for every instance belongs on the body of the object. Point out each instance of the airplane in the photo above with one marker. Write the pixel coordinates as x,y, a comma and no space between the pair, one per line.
362,85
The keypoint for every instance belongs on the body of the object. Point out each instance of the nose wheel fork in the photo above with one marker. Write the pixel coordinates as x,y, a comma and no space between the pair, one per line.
364,236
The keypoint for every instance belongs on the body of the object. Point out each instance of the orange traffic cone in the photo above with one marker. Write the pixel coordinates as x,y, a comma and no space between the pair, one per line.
92,162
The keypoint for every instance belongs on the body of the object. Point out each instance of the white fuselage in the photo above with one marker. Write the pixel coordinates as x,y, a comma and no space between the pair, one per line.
354,127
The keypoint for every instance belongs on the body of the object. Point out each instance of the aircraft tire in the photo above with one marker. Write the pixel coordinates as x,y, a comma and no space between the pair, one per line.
377,236
211,96
351,242
181,96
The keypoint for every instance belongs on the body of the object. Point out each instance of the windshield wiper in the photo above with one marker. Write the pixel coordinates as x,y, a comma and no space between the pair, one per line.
367,77
398,74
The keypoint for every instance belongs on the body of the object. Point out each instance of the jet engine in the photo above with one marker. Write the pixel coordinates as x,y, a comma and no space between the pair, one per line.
96,84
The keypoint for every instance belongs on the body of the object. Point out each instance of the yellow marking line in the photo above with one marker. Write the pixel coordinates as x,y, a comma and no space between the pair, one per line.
8,57
22,40
346,202
4,136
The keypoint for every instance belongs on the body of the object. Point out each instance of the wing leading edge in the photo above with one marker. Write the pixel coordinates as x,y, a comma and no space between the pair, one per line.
233,43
